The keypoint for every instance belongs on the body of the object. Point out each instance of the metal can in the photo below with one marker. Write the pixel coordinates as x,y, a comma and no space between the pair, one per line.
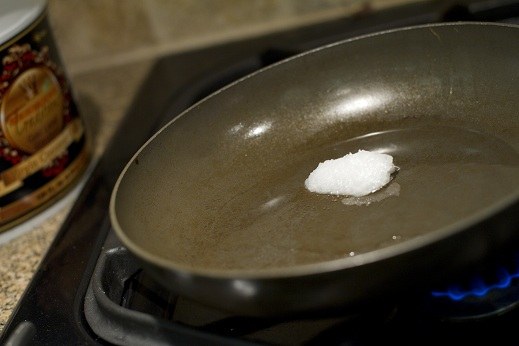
43,145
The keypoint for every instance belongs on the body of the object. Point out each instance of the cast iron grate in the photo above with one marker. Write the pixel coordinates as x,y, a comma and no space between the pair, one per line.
123,304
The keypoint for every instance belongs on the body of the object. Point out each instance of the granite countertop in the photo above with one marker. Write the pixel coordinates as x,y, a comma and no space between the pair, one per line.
103,97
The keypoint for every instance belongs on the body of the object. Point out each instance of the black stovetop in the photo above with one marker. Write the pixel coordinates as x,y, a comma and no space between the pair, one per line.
90,290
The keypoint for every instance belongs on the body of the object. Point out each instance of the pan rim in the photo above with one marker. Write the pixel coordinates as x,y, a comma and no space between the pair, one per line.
321,267
317,268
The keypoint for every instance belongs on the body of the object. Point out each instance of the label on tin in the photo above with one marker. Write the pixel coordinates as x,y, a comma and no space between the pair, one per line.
42,141
31,112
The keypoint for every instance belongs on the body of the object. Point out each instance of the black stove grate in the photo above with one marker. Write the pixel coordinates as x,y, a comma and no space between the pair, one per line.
123,304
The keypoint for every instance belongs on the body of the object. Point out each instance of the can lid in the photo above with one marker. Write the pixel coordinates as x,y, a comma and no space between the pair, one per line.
16,15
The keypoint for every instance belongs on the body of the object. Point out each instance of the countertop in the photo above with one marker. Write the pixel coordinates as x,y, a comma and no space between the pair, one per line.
102,97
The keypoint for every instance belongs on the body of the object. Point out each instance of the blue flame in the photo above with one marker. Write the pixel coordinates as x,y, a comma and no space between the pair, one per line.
479,287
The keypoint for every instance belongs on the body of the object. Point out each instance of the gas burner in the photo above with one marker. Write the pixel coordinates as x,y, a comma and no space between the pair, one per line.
491,292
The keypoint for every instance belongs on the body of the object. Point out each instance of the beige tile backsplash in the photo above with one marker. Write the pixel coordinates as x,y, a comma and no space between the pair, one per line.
97,34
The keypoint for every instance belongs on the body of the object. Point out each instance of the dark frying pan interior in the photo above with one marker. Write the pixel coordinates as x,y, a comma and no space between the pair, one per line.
219,192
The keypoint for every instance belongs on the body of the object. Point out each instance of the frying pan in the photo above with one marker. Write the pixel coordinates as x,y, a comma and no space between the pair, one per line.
214,204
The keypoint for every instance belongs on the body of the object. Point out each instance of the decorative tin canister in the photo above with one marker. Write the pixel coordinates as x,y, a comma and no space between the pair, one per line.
43,146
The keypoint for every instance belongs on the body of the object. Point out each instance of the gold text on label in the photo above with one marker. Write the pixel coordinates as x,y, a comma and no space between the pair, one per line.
31,112
46,192
16,174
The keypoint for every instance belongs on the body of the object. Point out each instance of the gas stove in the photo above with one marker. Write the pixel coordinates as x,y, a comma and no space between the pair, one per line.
90,290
